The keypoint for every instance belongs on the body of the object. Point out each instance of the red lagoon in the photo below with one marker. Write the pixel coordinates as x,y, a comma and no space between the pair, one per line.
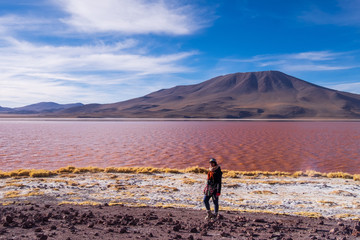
245,146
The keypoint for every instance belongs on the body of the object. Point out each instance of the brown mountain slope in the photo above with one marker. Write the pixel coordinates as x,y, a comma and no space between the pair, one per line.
269,94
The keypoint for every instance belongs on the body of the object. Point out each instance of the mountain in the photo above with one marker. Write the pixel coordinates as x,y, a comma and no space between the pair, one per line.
263,95
42,107
4,109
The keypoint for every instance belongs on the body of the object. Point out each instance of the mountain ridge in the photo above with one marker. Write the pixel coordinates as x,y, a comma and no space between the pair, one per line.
249,95
263,95
41,107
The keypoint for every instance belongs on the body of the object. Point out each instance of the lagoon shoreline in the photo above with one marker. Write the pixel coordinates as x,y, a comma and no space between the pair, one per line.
253,204
14,117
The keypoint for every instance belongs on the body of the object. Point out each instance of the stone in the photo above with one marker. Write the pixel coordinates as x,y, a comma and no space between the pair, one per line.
177,227
260,220
225,234
42,237
9,219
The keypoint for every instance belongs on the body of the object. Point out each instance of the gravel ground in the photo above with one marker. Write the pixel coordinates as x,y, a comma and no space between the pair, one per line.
49,221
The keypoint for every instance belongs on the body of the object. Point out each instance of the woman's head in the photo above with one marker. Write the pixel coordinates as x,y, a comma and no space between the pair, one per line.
213,162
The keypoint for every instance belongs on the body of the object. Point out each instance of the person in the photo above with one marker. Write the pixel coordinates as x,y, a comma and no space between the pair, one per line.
213,188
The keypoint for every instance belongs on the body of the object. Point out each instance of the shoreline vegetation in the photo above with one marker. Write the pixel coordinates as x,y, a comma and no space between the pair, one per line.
36,173
164,203
308,193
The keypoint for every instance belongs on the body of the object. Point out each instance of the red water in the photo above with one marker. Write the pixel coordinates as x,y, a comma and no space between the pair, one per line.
267,146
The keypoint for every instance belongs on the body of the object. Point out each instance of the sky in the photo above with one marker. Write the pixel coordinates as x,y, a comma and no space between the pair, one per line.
107,51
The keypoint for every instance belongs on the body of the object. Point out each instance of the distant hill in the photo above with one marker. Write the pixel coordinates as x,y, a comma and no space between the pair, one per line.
4,109
43,107
263,95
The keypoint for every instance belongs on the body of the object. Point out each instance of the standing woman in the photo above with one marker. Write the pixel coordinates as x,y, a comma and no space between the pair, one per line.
213,188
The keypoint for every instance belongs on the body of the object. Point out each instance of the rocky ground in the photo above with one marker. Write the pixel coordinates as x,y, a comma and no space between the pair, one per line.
49,221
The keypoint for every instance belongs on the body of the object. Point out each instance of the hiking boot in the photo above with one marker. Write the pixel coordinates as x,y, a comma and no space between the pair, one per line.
209,215
216,216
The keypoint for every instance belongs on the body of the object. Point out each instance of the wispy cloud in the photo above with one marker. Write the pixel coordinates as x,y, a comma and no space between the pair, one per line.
303,61
28,57
131,16
52,71
347,87
84,60
347,14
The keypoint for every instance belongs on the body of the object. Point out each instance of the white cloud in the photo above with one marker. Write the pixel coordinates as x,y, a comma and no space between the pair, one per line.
347,87
87,51
347,14
313,56
300,62
58,72
131,16
16,91
22,57
312,67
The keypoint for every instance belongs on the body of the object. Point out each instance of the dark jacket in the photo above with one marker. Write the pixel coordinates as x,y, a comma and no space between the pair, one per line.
215,181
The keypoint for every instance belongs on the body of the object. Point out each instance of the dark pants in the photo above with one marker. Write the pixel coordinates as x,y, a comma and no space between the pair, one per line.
215,200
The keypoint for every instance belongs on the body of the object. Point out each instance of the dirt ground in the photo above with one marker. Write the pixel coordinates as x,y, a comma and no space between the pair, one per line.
42,220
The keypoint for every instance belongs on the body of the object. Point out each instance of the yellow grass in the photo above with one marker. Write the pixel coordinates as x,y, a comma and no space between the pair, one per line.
308,214
128,194
17,194
167,188
72,183
339,175
6,203
116,203
264,192
170,170
145,199
297,174
312,173
345,215
69,170
342,193
230,174
174,205
195,169
356,177
33,194
190,181
41,173
12,194
80,203
20,185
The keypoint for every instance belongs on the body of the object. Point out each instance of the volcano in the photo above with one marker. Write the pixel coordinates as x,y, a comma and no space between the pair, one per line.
250,95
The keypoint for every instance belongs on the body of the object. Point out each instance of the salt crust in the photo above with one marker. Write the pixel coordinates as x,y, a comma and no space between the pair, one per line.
308,196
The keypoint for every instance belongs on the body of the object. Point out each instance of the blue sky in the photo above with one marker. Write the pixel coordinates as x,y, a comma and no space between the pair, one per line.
107,51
